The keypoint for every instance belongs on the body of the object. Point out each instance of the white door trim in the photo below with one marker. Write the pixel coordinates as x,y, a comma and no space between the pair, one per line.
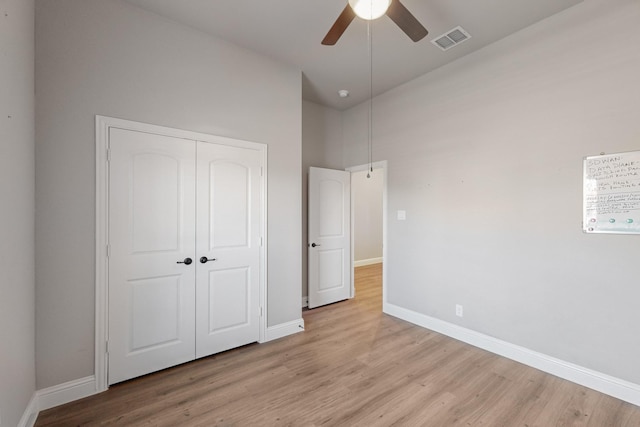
381,165
103,124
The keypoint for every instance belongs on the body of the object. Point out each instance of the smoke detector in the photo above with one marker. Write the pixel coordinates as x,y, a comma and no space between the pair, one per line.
451,38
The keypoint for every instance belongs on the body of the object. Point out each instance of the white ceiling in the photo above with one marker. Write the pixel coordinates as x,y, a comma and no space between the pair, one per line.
291,30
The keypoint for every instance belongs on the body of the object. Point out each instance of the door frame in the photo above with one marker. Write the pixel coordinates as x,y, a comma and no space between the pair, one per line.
103,124
381,165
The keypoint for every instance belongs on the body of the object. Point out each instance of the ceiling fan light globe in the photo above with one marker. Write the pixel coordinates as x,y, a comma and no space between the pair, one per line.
369,9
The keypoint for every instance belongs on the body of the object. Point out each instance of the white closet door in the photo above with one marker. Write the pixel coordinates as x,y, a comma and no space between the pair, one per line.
228,247
151,234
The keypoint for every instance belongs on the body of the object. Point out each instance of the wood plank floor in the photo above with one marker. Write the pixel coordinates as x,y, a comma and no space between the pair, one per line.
353,366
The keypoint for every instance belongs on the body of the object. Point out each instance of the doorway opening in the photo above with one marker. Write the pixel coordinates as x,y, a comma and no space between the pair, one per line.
332,263
369,222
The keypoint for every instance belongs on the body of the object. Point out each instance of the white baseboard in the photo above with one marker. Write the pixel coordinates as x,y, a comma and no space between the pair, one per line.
30,413
305,302
55,396
284,329
67,392
616,387
370,261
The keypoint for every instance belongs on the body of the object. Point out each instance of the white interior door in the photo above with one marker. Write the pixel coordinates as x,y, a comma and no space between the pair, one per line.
329,236
228,247
151,237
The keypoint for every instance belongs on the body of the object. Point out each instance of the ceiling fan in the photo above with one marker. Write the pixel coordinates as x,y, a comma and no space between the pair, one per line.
373,9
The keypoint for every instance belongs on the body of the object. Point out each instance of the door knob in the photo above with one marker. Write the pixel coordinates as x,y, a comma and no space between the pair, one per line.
185,261
313,245
204,259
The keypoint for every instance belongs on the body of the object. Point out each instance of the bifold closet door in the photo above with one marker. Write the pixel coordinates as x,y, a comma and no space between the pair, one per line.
152,253
229,239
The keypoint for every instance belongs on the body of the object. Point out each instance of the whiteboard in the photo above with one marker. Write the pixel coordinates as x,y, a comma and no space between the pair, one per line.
611,194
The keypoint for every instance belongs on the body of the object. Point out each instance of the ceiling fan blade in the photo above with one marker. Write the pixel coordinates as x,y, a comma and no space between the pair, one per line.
406,21
339,26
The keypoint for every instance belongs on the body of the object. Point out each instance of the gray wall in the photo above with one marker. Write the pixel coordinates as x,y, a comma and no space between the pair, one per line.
107,57
367,211
322,148
17,330
485,155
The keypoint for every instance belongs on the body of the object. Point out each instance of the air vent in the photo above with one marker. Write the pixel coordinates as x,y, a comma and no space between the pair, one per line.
451,38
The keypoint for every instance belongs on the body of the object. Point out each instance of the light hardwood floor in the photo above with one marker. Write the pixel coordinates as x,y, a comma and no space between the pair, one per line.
352,366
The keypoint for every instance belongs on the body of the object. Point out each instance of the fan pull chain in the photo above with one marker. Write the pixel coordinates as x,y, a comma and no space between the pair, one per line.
370,118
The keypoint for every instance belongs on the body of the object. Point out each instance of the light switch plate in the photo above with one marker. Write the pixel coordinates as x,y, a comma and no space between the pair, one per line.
402,215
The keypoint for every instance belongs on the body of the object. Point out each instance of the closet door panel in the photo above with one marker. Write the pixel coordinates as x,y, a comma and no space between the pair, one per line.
228,247
151,233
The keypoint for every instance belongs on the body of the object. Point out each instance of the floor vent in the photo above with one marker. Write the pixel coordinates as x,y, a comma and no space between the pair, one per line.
451,38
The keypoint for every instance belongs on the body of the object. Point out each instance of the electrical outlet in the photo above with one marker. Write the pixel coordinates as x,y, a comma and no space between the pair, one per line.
459,310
